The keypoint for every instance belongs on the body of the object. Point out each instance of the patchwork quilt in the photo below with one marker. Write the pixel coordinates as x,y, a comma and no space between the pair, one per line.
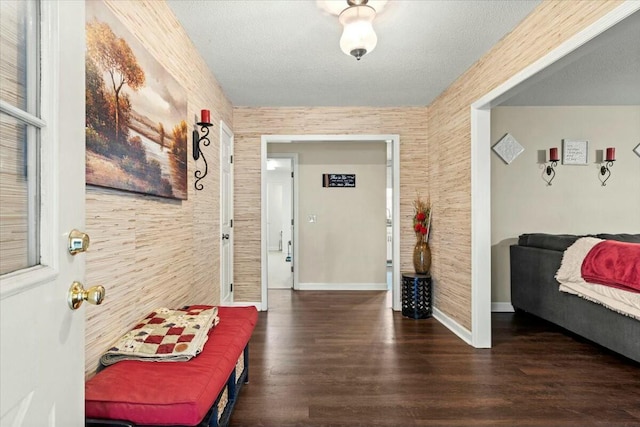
165,335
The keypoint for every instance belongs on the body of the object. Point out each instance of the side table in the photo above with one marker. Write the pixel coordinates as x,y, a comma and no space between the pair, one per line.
416,295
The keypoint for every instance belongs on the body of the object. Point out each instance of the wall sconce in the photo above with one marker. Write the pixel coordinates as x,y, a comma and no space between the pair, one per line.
553,162
205,124
604,170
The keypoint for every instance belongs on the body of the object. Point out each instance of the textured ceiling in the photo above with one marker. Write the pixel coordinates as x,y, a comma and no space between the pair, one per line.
605,71
286,52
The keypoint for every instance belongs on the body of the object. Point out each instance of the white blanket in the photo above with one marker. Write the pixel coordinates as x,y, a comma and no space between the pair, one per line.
571,281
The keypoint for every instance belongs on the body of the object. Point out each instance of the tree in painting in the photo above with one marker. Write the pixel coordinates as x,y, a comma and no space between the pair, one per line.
114,55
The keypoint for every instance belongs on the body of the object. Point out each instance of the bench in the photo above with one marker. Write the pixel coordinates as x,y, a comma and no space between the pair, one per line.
199,392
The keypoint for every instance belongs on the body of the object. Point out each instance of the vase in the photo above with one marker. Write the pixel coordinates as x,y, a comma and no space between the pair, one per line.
421,256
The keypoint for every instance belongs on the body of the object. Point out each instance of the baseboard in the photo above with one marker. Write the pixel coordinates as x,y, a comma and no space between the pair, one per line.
501,307
341,286
257,305
279,287
453,326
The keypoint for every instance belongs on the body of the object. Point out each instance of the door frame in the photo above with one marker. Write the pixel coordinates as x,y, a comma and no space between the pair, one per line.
393,139
294,214
481,169
226,129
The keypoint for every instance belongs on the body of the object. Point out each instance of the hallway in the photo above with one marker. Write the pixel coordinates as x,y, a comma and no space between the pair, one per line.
343,359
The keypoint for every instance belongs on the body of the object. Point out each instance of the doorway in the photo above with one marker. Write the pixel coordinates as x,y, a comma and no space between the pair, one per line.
481,161
392,142
280,221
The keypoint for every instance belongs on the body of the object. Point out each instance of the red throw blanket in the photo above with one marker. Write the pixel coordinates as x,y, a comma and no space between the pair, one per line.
615,264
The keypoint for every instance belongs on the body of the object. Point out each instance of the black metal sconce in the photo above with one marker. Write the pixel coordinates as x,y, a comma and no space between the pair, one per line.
553,162
205,124
608,163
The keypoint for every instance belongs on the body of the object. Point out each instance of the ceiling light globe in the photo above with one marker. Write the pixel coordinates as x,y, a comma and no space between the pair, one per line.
358,37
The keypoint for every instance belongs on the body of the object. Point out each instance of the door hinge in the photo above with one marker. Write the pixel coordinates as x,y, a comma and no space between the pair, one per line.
291,221
291,174
231,159
292,268
230,287
230,223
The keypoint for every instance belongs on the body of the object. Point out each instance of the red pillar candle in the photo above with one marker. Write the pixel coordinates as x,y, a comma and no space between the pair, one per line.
611,154
205,116
553,155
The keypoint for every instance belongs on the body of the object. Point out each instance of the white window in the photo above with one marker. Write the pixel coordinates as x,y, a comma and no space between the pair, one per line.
20,134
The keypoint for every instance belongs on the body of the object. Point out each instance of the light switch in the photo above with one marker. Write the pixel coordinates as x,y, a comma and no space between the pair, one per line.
312,218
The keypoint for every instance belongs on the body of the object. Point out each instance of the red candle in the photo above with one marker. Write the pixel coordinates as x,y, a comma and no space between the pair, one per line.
205,116
553,155
611,154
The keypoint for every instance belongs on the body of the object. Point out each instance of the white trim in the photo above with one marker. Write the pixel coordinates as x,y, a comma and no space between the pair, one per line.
389,139
481,173
452,325
24,116
481,227
226,129
22,280
342,286
502,307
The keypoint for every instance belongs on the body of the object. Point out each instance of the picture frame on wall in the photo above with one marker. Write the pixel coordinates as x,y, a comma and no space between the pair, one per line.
575,152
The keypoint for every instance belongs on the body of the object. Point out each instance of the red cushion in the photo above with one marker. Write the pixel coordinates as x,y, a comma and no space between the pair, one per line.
170,393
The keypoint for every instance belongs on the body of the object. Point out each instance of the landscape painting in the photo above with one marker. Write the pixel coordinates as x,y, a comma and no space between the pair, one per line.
136,133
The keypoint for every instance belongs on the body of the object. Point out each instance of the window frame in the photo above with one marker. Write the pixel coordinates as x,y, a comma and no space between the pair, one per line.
45,124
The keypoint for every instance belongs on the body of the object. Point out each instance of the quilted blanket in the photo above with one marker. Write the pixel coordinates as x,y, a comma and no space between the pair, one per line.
165,335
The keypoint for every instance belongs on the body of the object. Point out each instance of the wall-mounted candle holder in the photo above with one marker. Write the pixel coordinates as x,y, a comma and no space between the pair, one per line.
205,124
550,169
605,169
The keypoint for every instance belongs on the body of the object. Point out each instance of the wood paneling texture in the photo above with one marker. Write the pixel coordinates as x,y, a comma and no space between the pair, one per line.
449,139
251,123
148,251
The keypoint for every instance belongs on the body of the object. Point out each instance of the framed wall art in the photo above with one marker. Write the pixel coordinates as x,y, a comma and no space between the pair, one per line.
575,152
136,132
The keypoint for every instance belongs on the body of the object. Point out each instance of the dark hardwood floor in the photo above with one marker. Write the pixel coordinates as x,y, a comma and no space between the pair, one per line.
343,359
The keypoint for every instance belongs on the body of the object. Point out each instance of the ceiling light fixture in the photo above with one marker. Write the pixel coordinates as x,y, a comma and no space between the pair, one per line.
358,37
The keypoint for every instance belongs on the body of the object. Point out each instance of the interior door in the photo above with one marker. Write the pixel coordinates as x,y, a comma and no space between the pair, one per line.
226,214
42,126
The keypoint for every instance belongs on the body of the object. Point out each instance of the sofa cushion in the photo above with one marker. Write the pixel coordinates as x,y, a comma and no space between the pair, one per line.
555,242
172,393
560,242
629,238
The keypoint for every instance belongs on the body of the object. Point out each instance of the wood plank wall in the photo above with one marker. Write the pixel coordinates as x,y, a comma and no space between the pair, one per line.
449,139
251,123
148,251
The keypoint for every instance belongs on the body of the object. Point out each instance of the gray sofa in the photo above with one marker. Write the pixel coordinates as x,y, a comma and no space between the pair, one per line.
534,289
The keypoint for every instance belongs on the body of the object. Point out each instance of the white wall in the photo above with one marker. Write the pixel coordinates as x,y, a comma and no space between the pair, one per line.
346,247
576,202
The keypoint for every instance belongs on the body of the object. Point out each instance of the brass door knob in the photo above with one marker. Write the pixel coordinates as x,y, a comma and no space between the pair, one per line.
94,295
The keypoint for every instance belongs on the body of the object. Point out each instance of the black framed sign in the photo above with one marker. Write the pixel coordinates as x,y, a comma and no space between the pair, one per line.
338,180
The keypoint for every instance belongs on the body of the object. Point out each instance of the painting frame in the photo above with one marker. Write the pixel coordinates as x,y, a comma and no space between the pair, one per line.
575,152
136,128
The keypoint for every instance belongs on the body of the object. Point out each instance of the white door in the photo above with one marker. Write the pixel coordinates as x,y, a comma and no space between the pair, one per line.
43,178
226,214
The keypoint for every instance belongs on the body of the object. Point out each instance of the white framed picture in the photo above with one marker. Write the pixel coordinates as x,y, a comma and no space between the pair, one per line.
508,148
575,152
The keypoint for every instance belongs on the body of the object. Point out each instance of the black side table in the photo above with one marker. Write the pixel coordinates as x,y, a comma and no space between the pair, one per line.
416,295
